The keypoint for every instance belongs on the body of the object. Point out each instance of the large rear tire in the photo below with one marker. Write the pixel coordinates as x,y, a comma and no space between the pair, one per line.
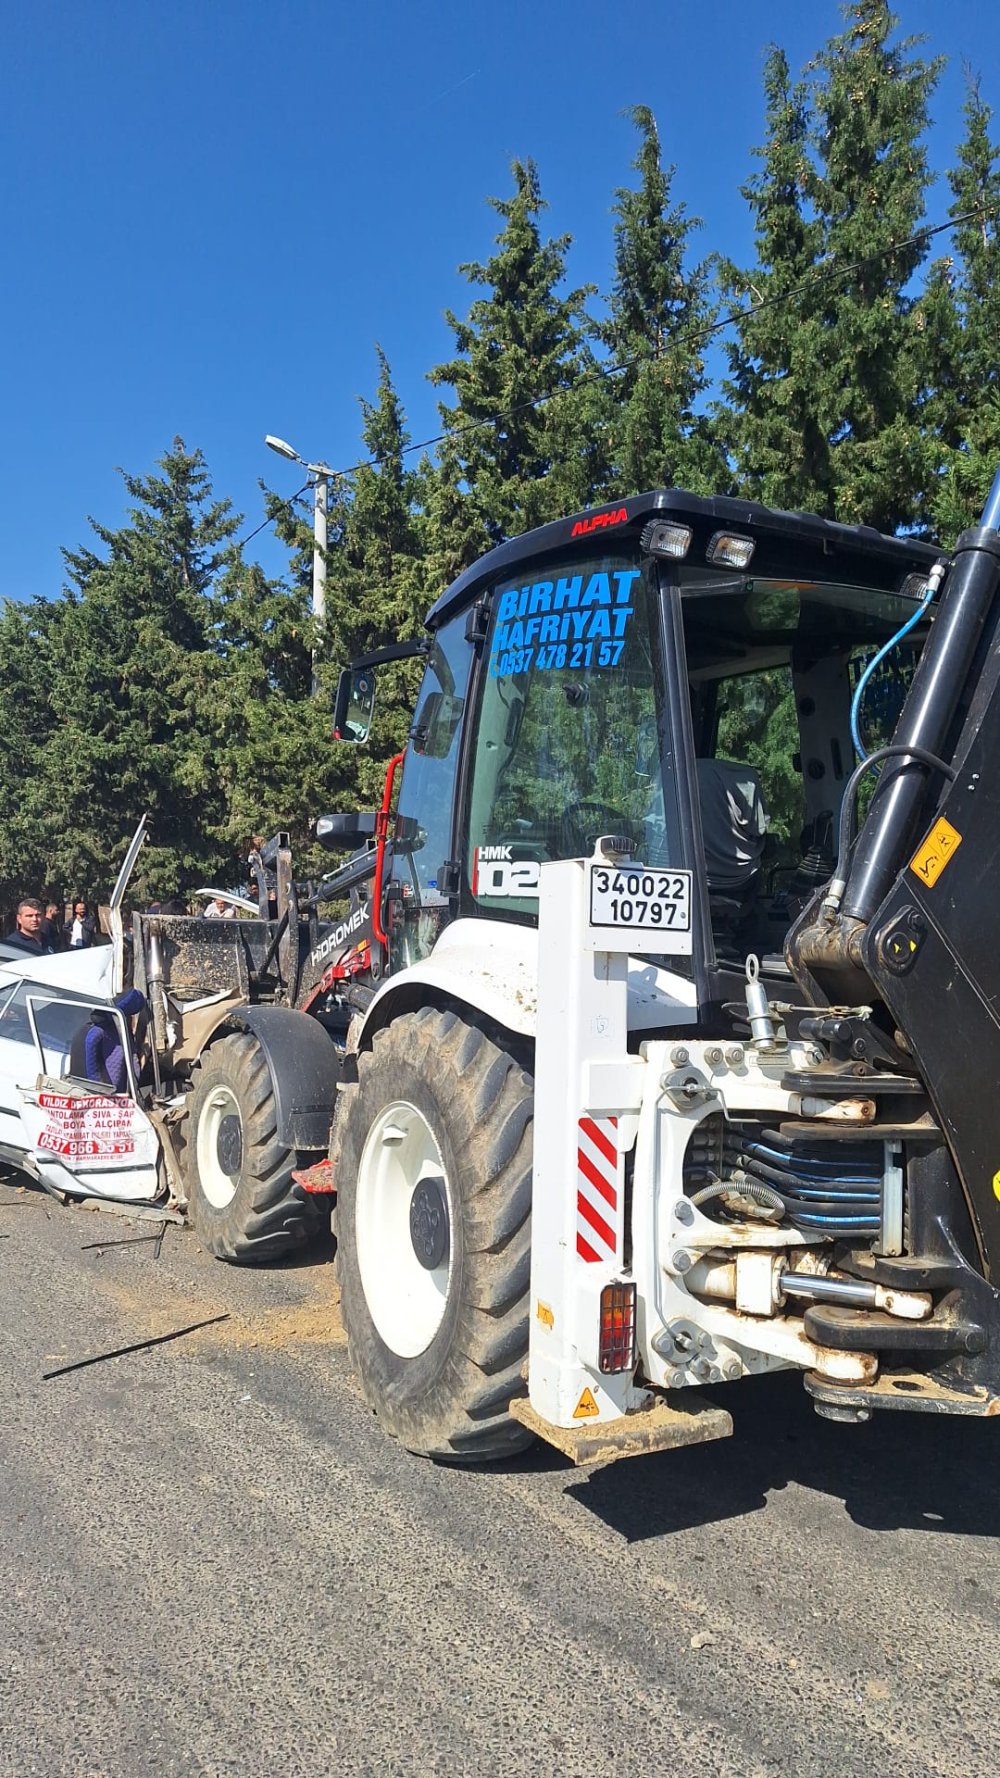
432,1160
242,1200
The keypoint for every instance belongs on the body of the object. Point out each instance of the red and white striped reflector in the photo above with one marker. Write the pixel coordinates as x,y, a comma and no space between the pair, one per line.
597,1189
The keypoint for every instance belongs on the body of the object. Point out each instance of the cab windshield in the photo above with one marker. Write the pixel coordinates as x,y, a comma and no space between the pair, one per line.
574,739
567,743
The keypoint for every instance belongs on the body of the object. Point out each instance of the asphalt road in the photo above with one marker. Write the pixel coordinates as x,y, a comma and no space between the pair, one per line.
213,1562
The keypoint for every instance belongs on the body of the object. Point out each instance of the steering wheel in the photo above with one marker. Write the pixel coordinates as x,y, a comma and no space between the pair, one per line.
585,820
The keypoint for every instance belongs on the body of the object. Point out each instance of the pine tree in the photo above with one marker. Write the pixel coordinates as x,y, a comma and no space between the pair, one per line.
271,741
27,719
962,307
378,590
658,313
770,425
136,687
522,341
871,102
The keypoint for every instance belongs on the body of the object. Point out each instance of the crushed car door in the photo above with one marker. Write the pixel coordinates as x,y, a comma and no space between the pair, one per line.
85,1138
17,1064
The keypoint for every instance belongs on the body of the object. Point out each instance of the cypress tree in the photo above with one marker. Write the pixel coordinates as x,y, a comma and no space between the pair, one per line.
658,311
770,425
962,306
870,97
378,590
522,340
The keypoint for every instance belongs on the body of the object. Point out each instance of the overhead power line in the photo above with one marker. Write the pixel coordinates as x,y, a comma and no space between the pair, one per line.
290,502
704,330
824,275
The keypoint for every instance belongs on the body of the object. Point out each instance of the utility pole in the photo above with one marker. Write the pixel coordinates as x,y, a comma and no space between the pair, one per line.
321,475
321,489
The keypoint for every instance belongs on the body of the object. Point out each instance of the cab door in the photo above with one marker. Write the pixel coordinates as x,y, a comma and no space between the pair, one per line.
425,869
84,1138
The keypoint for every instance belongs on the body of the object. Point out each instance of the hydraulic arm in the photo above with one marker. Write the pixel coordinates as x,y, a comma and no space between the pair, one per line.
916,911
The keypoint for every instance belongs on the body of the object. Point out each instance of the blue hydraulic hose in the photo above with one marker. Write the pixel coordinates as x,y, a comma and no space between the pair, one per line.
887,648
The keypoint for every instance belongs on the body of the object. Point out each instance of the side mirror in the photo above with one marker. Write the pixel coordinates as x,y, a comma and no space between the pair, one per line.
339,833
353,705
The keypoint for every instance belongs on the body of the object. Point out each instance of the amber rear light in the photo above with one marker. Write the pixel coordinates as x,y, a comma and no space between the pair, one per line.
616,1348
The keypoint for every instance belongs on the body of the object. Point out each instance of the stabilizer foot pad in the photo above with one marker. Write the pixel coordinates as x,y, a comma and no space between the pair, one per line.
913,1390
669,1422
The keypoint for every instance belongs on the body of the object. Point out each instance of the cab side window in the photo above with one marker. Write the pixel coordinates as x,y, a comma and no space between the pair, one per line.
423,840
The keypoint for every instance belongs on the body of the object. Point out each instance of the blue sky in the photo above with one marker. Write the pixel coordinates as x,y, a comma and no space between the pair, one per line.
212,209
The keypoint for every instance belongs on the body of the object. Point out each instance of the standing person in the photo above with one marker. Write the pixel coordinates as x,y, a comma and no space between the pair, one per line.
52,925
27,933
78,932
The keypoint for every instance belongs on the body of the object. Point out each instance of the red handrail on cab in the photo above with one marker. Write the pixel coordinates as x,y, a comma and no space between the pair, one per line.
381,831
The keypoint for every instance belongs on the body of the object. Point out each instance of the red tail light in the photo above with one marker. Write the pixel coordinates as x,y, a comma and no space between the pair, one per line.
616,1348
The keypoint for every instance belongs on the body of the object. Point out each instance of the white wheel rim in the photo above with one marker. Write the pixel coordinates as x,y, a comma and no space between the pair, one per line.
218,1185
406,1299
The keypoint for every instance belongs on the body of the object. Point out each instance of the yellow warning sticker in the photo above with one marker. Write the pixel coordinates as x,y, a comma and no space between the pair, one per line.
938,849
996,1185
586,1408
545,1314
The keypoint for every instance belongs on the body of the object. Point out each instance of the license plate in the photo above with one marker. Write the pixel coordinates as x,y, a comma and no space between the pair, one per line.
638,899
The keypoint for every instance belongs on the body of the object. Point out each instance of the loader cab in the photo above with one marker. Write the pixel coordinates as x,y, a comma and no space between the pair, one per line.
678,671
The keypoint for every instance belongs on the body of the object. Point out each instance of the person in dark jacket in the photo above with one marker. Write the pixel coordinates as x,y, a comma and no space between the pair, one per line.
78,932
52,925
27,934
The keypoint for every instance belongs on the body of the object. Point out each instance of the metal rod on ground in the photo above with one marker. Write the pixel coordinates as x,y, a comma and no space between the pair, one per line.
130,1241
80,1364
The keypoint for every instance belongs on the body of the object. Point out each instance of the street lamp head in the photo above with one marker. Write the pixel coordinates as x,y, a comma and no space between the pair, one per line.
283,449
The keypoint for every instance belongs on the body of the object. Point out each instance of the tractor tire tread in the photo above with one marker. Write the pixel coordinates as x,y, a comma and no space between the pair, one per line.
485,1096
270,1214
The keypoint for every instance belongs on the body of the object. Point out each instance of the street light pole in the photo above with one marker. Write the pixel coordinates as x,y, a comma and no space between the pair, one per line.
322,475
321,489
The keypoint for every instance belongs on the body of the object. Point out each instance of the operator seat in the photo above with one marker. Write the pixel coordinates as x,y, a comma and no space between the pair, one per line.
734,827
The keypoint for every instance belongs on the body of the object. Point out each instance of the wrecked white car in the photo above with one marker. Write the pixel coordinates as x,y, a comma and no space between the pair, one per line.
72,1134
208,1088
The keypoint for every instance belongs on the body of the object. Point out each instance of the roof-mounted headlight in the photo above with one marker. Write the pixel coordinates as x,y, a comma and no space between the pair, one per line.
730,549
661,538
